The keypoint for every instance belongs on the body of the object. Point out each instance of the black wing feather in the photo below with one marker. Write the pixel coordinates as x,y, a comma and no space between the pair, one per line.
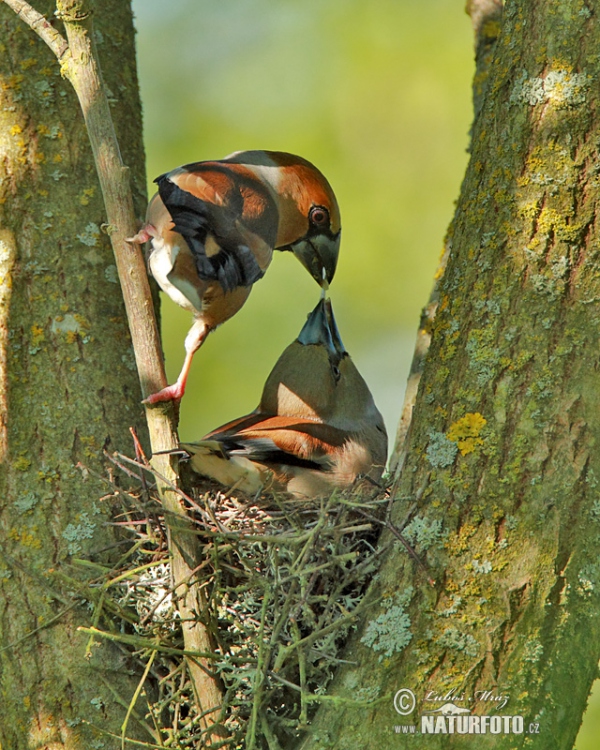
234,265
265,451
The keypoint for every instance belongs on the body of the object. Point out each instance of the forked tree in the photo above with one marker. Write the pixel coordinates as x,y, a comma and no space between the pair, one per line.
495,468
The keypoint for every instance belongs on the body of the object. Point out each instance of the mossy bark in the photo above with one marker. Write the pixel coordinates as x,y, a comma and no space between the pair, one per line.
503,460
68,387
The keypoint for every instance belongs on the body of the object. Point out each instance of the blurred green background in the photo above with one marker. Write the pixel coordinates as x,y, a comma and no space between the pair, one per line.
377,93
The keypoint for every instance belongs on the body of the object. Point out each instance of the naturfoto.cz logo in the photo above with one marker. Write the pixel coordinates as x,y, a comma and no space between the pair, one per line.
441,715
472,724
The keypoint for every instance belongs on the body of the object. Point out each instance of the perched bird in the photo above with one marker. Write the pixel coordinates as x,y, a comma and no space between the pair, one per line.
316,427
213,227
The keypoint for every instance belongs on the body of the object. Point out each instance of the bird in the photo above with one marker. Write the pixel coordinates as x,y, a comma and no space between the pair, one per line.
213,226
316,428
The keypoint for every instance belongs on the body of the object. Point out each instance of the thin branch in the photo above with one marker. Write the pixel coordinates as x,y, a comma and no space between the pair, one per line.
486,17
422,343
40,24
135,697
483,12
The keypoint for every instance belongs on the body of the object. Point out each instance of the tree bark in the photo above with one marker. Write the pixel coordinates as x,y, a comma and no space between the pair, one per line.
69,387
501,458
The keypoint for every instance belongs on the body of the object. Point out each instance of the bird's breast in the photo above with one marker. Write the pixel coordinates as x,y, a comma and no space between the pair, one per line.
218,305
162,261
354,459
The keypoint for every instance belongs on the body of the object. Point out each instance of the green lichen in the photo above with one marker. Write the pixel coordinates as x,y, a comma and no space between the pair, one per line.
368,694
481,567
585,586
595,510
453,608
97,703
390,632
532,651
484,356
527,90
76,533
423,533
67,325
587,579
458,641
129,361
27,502
111,275
90,235
559,88
441,452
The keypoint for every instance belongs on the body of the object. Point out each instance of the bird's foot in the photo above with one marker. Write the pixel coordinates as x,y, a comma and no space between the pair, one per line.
147,232
170,393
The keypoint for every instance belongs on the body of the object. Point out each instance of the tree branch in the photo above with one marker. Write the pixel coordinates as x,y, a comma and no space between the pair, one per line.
486,17
421,350
42,27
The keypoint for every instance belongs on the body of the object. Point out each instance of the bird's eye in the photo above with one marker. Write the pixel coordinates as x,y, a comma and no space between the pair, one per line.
336,373
319,216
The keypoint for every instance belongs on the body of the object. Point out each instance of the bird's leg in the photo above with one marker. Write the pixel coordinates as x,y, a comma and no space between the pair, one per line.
147,232
193,341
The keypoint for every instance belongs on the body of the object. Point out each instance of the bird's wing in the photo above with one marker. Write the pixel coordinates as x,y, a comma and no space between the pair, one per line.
283,441
223,249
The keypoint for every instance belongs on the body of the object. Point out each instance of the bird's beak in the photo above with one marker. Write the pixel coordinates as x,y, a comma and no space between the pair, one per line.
318,254
320,328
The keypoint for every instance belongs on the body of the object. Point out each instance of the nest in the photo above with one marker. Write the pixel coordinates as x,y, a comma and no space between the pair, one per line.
284,581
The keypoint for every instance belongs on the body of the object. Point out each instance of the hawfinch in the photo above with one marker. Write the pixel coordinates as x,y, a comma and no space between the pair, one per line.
316,428
213,227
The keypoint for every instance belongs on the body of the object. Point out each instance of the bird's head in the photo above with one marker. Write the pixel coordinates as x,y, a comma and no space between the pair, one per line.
315,378
351,402
303,382
309,216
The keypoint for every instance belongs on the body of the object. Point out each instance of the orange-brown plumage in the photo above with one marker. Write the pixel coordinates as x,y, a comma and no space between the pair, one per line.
214,225
316,427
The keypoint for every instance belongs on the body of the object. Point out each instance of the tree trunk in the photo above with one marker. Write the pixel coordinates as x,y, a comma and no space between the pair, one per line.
69,387
501,460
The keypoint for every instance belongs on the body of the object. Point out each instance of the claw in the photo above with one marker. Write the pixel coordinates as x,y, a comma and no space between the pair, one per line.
170,393
147,232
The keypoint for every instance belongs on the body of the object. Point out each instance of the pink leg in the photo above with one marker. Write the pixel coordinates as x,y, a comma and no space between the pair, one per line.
147,232
193,341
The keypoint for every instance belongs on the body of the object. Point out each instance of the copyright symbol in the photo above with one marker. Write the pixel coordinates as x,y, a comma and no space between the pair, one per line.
404,701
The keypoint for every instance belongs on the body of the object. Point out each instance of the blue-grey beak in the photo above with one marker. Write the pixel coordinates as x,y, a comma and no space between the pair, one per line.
321,328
